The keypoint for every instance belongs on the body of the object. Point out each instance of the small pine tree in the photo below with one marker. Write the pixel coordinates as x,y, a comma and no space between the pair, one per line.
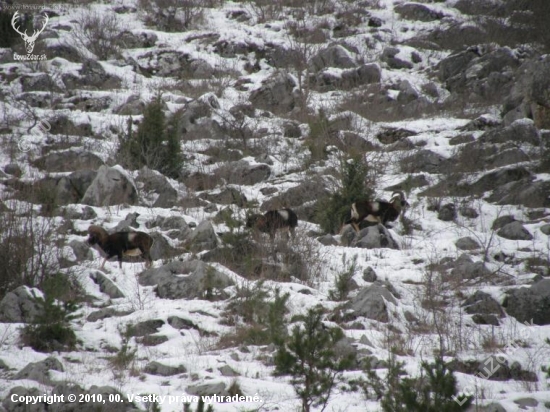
308,357
266,318
276,318
378,388
354,186
51,331
431,393
343,281
155,144
434,391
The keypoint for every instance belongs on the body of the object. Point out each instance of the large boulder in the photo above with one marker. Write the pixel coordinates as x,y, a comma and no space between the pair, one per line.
176,226
106,285
447,212
485,309
187,280
511,185
68,161
330,79
417,11
110,187
371,237
365,74
370,303
467,243
134,106
40,371
63,190
162,249
198,109
464,268
157,190
40,82
523,192
521,131
105,313
208,389
333,56
299,197
13,169
195,122
227,196
389,56
81,250
243,173
530,304
507,157
203,237
281,57
407,93
501,370
138,39
515,231
172,63
65,51
529,97
498,178
89,103
81,181
92,76
455,64
63,125
21,305
480,74
276,94
423,161
146,327
160,369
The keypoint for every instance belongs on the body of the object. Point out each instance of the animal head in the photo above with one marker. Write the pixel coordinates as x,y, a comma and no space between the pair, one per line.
96,235
253,220
29,40
398,199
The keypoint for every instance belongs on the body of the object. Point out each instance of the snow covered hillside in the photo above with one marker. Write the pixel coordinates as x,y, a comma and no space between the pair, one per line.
182,118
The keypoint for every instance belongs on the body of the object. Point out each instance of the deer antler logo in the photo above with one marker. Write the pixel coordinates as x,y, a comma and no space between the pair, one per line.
29,40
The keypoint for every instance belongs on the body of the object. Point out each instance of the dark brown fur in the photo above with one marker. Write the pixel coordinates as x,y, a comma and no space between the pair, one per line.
274,220
377,211
120,244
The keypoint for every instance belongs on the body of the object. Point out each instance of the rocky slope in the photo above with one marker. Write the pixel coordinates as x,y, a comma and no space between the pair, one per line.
271,97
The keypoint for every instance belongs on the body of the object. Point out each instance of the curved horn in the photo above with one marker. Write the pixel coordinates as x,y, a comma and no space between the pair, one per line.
399,193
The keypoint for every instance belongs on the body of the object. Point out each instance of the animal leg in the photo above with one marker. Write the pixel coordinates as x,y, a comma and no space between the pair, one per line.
145,254
355,226
103,264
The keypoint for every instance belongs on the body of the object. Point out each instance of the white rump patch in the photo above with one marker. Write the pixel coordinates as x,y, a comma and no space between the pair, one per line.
283,214
375,206
371,218
354,213
133,252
